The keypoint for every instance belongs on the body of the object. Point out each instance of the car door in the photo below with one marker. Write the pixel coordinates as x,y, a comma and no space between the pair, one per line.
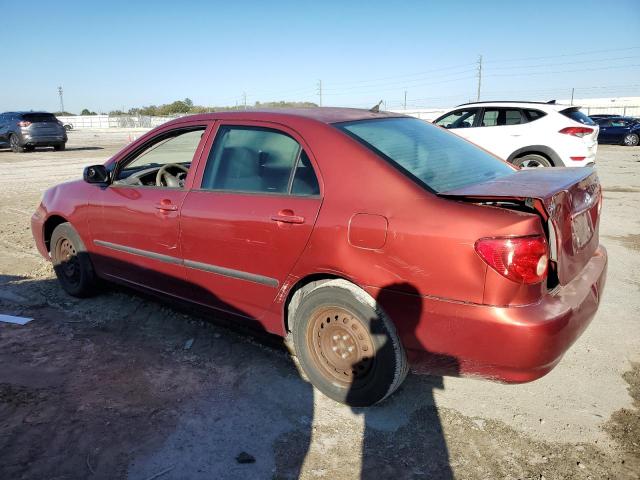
249,216
502,131
135,231
617,129
604,135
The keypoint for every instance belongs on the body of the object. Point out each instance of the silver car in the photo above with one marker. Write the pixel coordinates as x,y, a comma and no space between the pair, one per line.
24,131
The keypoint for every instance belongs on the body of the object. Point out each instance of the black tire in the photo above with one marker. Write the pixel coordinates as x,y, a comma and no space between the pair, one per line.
30,148
71,262
631,140
375,364
532,160
59,146
14,143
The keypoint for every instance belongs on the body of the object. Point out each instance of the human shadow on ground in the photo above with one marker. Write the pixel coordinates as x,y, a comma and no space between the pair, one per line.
403,435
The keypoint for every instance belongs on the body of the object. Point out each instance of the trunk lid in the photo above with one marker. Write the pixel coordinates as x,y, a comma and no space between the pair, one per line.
567,199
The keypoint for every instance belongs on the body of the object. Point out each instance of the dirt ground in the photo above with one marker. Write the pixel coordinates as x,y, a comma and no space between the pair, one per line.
122,386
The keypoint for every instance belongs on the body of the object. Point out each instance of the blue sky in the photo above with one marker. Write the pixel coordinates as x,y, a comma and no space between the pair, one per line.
116,54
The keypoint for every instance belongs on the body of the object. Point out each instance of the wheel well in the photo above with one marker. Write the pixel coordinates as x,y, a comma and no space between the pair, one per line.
49,226
300,284
524,154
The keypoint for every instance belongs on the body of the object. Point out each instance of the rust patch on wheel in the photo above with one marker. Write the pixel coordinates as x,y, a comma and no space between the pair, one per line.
340,345
67,260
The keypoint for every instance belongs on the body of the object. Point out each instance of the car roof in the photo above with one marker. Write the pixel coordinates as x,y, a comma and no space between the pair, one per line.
23,112
521,104
320,114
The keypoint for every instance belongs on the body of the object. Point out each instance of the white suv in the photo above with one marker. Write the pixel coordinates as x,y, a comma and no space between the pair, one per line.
527,134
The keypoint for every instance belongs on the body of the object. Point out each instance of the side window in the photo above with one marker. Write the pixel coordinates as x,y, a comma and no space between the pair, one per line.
305,181
489,117
458,119
493,117
618,122
513,117
251,159
534,114
177,148
164,162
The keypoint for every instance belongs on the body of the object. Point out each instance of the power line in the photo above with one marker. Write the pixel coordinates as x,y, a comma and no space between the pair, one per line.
400,83
591,52
635,57
415,74
561,71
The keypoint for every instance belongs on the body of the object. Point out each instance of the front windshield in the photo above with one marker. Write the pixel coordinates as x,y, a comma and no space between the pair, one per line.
436,158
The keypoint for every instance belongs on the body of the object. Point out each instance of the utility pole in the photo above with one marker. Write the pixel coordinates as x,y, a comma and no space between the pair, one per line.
320,91
572,90
479,76
61,99
405,99
244,99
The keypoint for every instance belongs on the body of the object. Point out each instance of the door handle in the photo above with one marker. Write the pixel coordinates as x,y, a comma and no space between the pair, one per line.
166,206
287,216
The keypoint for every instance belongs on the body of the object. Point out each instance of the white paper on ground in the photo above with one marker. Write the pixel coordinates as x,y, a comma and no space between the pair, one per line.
12,319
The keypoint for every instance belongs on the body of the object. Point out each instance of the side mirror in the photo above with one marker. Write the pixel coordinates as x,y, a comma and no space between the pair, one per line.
95,174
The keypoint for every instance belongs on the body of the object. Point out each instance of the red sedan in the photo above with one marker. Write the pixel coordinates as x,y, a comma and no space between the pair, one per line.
371,241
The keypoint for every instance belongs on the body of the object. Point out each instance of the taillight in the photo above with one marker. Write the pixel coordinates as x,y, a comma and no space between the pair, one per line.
521,259
577,131
23,123
577,159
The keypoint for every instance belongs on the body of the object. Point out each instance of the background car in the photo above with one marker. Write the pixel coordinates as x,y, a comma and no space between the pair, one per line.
24,131
619,131
527,134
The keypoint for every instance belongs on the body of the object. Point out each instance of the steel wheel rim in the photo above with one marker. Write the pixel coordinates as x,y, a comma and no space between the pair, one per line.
340,345
67,258
531,164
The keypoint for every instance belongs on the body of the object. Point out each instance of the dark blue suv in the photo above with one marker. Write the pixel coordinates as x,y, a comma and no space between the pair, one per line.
24,131
619,131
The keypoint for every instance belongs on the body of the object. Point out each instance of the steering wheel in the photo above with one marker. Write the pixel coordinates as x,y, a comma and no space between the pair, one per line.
170,180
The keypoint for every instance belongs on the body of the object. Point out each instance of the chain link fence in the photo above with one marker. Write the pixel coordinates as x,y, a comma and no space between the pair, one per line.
79,122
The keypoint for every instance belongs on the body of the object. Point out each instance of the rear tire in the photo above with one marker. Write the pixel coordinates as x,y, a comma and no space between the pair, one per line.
532,160
631,140
59,147
346,345
71,262
30,148
14,143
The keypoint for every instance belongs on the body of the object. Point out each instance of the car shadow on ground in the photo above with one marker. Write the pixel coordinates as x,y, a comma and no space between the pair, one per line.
51,149
124,385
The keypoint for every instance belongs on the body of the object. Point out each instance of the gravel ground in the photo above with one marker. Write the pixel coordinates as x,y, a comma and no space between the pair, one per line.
104,387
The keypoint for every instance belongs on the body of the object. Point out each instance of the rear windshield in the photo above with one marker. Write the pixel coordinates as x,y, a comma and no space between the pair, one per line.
39,117
437,159
578,116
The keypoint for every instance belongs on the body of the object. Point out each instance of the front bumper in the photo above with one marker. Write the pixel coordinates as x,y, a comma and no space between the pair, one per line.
37,229
511,344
